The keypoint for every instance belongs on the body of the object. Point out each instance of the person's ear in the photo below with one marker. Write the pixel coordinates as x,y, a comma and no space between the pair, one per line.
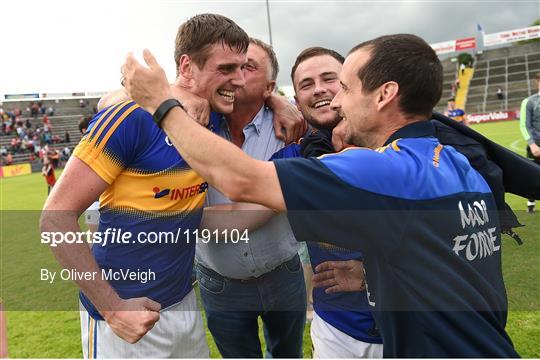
270,86
185,69
386,93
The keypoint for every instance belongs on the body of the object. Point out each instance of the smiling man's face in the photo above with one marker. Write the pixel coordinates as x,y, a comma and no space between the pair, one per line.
316,83
220,77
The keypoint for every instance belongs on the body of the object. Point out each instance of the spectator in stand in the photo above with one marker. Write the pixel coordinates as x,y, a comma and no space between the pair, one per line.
27,124
20,132
34,109
462,68
41,108
15,144
24,143
3,153
47,137
50,111
83,123
31,145
82,103
500,94
48,172
46,120
9,126
66,153
66,137
9,159
41,153
54,157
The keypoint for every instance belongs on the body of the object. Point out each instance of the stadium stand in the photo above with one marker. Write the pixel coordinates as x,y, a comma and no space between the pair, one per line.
511,69
67,113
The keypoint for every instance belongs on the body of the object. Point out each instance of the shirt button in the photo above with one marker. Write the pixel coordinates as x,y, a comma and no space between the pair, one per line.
245,254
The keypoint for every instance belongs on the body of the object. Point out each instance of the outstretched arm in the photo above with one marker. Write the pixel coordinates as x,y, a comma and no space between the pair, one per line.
238,176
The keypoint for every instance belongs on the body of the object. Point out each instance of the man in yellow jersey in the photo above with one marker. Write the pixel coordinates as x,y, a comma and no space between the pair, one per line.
147,187
455,113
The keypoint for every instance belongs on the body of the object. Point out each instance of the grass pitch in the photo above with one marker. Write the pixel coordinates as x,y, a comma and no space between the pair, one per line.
54,330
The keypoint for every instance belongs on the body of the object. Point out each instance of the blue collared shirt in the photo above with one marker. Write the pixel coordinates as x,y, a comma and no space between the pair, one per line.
271,244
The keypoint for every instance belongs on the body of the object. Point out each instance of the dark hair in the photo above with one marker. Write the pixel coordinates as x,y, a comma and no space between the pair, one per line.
270,53
196,35
312,52
409,61
537,76
83,123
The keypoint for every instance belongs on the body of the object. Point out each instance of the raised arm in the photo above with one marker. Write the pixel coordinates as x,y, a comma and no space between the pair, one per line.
225,166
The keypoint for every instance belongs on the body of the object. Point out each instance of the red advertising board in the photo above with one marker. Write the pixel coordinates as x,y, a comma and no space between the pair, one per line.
467,43
491,116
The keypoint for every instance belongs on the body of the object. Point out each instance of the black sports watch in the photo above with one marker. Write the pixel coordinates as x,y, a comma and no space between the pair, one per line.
164,108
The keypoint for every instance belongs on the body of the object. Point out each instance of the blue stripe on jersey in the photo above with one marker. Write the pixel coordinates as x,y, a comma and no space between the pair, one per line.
95,340
109,121
99,119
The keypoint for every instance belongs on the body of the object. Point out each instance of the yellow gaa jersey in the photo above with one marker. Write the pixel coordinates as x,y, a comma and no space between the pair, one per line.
149,211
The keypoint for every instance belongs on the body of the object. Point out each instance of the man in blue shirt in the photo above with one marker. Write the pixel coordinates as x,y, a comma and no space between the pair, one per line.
420,214
343,326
